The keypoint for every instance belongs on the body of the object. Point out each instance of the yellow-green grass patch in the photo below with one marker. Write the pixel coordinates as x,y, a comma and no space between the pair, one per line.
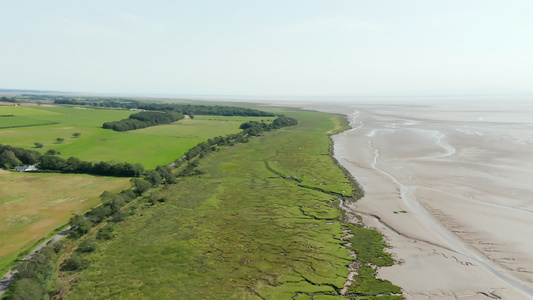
32,205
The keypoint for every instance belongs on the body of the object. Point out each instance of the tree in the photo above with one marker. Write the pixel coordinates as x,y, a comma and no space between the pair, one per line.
81,224
35,268
99,213
76,134
27,158
58,246
75,263
153,177
39,145
25,289
167,174
140,185
138,169
51,152
106,233
8,159
52,163
89,245
60,140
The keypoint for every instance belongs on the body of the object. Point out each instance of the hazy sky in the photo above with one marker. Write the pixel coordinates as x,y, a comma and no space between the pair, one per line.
426,47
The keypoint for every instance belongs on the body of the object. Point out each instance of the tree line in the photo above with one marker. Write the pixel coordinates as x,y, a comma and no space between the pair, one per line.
143,120
125,103
8,99
75,165
186,109
11,157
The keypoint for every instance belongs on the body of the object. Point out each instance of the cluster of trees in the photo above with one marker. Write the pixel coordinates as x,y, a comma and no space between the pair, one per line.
217,110
254,128
283,121
161,174
11,157
86,101
8,99
75,165
111,208
143,120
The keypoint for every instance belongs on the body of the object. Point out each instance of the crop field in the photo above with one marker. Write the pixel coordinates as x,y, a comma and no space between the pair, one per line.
150,147
240,231
33,205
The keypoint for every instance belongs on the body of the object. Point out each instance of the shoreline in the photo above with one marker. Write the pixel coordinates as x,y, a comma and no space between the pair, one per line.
433,202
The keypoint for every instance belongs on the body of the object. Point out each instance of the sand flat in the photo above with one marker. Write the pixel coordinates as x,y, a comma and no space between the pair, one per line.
449,186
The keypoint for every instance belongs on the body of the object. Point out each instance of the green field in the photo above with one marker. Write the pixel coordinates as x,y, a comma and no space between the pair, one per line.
150,147
33,205
9,122
241,231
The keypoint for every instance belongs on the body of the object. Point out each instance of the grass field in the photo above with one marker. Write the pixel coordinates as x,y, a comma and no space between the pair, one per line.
240,231
9,122
33,205
150,147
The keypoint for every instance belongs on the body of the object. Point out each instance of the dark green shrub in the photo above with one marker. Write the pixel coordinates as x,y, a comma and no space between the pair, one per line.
75,263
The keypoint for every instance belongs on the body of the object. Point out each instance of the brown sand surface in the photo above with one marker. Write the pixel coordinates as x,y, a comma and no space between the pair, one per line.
450,187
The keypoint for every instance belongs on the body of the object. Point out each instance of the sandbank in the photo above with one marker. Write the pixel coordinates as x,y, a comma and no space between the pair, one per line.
449,186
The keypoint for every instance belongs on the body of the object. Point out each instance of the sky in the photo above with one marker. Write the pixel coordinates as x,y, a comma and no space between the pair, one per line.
263,48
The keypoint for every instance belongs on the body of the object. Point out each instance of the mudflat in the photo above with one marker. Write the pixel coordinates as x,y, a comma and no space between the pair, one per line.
450,186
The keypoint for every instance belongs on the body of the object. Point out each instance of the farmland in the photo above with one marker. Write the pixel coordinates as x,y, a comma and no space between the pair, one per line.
32,206
150,147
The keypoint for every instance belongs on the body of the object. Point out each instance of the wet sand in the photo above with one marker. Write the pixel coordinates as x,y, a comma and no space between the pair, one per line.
451,188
